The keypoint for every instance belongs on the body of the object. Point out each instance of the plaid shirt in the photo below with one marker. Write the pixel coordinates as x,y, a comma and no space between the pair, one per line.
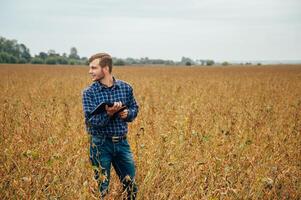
102,124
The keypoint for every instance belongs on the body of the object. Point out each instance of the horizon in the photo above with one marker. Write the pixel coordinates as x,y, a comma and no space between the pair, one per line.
197,61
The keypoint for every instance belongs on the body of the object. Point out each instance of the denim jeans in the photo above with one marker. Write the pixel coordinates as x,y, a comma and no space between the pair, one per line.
103,153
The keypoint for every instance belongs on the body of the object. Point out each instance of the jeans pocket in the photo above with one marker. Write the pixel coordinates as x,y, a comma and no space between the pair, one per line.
98,141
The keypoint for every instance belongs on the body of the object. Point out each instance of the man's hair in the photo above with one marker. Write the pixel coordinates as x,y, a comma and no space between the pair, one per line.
104,60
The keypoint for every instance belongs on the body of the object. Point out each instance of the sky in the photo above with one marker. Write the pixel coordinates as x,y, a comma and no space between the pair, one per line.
221,30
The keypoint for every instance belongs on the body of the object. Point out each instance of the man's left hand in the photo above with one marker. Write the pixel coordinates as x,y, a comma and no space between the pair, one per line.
124,114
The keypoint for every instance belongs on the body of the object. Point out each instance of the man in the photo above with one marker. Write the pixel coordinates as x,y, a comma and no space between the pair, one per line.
108,128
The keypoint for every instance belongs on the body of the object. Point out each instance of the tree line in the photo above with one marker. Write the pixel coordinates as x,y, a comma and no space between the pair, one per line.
147,61
13,52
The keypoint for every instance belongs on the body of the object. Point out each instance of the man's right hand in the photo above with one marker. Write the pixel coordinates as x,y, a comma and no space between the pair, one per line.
112,110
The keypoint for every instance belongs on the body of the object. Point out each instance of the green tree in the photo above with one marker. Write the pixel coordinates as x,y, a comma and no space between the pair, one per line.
15,53
52,52
13,59
188,63
186,60
51,61
9,46
73,53
37,60
4,57
24,53
209,62
62,60
225,63
22,61
43,55
119,62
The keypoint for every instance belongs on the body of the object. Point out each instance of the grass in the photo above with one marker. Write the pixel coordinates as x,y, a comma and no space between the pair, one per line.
201,133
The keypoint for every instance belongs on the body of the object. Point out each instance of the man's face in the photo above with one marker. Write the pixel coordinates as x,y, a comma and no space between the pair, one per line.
96,72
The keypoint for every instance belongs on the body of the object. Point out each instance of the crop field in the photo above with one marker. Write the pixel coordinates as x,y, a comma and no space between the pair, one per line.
201,133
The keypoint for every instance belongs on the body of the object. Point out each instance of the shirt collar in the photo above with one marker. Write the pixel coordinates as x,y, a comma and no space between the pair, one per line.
116,84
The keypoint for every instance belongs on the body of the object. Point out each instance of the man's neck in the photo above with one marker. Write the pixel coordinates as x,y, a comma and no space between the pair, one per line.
107,81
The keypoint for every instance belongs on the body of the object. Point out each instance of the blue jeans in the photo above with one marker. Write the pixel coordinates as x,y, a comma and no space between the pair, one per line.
103,153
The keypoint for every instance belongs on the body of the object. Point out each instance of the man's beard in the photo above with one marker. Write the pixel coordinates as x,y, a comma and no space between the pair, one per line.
99,79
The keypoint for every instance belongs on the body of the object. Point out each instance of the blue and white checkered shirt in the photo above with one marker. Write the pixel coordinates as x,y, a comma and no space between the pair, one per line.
102,124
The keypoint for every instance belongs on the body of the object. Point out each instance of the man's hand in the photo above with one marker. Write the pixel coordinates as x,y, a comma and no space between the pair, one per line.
124,114
111,110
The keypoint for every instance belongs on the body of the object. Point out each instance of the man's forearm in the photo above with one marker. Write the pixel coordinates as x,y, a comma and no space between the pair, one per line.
132,114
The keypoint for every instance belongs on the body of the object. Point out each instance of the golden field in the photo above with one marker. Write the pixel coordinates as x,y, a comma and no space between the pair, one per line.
201,133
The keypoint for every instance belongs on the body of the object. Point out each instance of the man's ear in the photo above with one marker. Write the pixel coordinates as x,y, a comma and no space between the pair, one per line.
106,68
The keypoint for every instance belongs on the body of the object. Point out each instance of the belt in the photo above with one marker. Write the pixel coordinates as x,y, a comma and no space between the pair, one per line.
117,138
113,138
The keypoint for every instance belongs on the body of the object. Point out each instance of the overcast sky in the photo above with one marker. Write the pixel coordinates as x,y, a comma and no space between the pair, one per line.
167,29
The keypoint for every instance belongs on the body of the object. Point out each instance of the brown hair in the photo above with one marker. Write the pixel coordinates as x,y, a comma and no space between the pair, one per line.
104,60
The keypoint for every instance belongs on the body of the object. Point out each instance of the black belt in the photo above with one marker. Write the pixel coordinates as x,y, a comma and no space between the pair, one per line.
114,138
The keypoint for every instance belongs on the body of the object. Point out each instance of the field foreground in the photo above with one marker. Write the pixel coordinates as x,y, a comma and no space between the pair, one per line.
201,133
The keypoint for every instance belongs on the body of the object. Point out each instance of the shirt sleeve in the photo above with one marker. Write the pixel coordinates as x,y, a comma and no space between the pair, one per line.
98,120
132,107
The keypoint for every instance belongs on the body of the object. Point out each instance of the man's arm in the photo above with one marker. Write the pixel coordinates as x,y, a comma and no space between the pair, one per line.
133,107
89,105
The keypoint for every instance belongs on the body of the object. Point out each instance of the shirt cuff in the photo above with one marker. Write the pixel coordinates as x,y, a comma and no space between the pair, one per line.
129,117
